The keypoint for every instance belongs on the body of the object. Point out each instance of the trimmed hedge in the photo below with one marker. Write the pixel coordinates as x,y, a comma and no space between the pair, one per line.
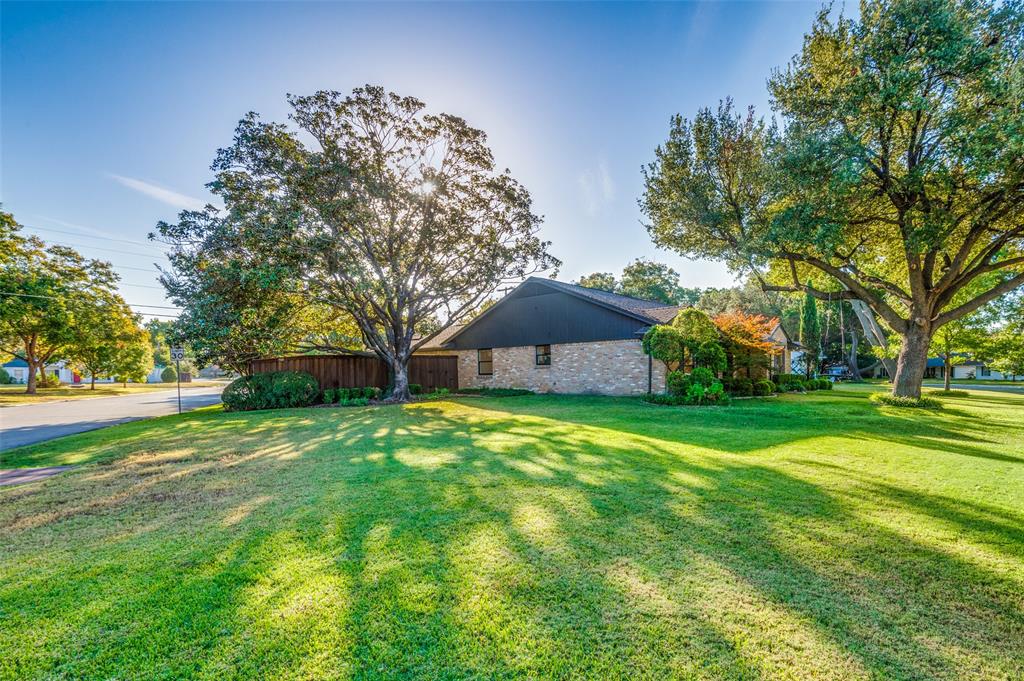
764,387
272,390
345,396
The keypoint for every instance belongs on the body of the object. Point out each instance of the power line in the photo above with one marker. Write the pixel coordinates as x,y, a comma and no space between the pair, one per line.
35,295
112,250
90,236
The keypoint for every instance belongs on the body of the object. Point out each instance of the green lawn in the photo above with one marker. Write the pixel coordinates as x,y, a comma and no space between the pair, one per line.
815,536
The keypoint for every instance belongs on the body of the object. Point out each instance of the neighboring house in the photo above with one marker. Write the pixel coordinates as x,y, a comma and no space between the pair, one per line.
549,336
154,375
782,361
17,369
964,370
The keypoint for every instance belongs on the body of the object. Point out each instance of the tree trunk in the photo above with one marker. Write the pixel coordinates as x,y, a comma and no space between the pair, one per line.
947,369
911,363
30,389
400,377
851,359
92,381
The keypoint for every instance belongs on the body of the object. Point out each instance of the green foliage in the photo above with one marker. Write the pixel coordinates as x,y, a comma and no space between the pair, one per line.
710,355
702,376
347,395
45,380
438,394
949,393
644,279
740,386
695,328
663,343
789,382
5,378
677,383
496,392
415,389
168,375
272,390
891,400
810,333
896,175
53,295
824,384
763,388
366,200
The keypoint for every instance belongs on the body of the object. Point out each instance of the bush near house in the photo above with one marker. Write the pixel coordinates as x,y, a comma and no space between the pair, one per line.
272,390
168,375
764,387
698,387
345,396
789,382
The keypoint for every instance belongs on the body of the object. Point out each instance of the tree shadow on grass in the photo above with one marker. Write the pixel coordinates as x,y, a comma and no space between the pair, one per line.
497,544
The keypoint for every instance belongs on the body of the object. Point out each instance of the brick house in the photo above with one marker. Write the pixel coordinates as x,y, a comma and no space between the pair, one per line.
549,336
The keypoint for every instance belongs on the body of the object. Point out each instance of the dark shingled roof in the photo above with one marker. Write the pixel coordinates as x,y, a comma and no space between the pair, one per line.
437,341
654,311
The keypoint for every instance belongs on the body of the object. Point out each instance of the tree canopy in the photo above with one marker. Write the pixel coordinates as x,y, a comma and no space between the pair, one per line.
644,279
899,173
374,208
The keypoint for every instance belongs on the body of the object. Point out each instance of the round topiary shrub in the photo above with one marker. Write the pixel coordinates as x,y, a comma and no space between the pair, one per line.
274,390
702,376
764,387
677,383
168,375
824,384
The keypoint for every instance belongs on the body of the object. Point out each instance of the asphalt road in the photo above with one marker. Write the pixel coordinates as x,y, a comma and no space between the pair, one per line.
31,423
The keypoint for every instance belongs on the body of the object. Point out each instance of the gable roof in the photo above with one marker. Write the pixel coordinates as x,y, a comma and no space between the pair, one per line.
646,311
652,311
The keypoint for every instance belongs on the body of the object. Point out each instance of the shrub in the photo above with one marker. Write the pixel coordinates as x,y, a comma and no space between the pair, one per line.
702,376
168,375
273,390
415,388
5,377
677,383
711,355
824,384
495,392
371,393
891,400
784,381
811,384
741,387
355,401
439,393
45,380
950,393
764,387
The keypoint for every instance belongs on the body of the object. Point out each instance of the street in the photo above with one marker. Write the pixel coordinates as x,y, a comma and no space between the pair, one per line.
24,425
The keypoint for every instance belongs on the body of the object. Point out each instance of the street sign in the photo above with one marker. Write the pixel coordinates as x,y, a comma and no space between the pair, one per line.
178,354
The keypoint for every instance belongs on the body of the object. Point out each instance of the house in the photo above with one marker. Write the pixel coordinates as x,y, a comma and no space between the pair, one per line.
17,369
965,369
550,336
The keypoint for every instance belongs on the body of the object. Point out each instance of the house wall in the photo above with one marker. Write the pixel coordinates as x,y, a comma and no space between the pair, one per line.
604,367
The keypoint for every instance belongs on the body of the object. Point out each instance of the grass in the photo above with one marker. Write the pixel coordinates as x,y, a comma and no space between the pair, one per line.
805,536
11,395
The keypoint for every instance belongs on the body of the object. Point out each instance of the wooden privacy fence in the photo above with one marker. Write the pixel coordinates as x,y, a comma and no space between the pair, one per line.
358,371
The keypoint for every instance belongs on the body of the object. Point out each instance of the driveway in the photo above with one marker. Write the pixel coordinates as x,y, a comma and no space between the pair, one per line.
28,424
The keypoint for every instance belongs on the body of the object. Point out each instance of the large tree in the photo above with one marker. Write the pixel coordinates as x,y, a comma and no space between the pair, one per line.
899,174
46,294
106,336
644,279
810,334
372,206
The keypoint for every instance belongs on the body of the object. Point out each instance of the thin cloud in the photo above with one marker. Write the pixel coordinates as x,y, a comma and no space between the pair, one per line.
162,194
596,187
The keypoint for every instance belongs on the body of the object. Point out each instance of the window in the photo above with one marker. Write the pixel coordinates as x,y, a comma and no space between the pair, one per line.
985,371
543,355
484,362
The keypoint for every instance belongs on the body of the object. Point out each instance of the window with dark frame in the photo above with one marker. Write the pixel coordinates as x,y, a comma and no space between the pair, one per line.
543,355
484,362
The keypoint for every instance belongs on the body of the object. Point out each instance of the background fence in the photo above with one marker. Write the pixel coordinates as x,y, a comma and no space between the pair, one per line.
357,371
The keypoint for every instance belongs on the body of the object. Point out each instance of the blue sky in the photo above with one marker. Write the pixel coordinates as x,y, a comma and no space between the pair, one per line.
112,113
